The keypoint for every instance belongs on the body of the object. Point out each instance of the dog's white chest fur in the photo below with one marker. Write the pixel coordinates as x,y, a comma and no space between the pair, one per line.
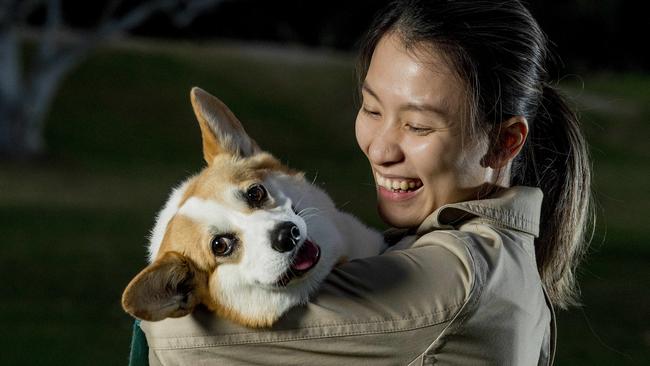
246,287
247,236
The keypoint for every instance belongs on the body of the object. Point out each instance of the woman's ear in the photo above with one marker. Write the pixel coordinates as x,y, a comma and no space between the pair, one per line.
507,142
169,287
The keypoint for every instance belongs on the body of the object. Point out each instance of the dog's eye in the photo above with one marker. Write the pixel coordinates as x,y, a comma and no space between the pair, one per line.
223,244
256,194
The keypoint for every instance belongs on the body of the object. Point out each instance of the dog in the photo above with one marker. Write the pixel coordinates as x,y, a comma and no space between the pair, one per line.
247,237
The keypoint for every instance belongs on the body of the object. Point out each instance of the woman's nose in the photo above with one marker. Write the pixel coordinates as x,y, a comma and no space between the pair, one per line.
385,149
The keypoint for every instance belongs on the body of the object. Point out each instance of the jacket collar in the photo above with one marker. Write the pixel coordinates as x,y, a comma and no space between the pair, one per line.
517,208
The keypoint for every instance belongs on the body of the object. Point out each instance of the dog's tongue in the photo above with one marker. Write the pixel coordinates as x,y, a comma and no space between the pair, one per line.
307,256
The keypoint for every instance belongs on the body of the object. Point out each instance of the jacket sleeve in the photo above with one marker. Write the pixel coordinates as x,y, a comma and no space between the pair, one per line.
138,356
381,310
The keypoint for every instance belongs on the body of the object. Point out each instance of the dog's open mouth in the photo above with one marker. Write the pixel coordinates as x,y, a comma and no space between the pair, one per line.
305,259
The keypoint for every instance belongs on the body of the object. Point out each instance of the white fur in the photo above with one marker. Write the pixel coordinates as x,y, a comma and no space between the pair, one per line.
248,286
164,217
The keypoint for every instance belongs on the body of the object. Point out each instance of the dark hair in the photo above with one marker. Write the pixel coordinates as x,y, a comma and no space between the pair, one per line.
499,52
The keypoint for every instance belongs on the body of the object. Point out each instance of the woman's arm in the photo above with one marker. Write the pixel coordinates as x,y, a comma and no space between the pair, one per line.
385,309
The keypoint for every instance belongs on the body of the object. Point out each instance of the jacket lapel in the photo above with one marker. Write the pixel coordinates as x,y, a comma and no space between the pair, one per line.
517,208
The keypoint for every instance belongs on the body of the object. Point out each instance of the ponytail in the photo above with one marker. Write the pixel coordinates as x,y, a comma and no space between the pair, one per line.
556,159
503,65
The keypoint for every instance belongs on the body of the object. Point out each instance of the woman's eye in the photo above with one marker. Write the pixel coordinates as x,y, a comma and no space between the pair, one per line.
256,194
223,244
370,112
418,130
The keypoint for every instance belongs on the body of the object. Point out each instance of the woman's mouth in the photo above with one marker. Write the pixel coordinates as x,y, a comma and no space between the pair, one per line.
397,189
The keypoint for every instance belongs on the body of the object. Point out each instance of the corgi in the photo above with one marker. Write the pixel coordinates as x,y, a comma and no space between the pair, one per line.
247,237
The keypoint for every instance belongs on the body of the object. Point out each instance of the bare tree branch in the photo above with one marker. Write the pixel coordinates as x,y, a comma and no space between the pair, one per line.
69,56
24,100
109,10
10,66
49,42
6,7
131,19
191,11
21,9
181,15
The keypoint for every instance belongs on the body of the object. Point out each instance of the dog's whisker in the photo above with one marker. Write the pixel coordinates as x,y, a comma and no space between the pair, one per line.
343,205
313,182
300,199
308,209
308,216
305,189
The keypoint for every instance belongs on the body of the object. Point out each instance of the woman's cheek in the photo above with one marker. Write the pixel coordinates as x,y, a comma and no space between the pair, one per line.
362,132
427,155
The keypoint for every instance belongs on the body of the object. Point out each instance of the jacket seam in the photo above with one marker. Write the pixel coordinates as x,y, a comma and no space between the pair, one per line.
505,218
509,221
323,325
307,337
497,224
470,303
501,211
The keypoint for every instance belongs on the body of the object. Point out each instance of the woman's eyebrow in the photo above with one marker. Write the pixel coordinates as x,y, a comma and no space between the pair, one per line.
424,108
366,87
418,107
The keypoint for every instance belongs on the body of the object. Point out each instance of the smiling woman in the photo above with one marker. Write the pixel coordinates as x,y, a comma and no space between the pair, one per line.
484,173
409,127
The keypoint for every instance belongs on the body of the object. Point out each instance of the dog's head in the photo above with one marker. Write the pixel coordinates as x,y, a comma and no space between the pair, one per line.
234,237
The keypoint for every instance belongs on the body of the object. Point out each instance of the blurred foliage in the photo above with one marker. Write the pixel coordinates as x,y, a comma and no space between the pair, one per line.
122,133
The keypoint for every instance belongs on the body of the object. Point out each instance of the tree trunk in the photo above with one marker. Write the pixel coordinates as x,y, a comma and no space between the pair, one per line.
17,140
26,95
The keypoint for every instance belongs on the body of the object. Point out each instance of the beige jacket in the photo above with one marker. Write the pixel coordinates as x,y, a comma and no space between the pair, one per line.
463,290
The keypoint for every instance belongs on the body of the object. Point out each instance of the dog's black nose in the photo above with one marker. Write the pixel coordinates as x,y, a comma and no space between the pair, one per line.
285,236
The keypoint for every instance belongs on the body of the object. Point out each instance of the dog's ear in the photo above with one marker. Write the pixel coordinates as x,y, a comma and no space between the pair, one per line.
169,287
220,129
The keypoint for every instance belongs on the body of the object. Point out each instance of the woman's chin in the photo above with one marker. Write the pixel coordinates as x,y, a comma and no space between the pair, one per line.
399,218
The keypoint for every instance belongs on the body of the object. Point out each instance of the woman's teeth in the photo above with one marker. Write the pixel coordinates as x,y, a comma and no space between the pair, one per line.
398,184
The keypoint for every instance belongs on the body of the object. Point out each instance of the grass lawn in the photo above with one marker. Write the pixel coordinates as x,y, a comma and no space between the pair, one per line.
121,133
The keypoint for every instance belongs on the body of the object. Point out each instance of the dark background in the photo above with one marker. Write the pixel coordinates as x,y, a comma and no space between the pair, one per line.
120,133
588,35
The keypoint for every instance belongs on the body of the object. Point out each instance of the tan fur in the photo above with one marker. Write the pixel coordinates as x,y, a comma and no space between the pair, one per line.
188,238
210,111
185,253
169,287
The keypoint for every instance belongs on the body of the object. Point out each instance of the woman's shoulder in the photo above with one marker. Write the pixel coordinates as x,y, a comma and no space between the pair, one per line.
482,232
477,252
479,246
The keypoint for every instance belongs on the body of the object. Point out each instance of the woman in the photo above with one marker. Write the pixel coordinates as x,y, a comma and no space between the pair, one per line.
482,166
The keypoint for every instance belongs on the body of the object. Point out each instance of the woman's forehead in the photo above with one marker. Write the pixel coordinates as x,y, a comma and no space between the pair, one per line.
418,75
